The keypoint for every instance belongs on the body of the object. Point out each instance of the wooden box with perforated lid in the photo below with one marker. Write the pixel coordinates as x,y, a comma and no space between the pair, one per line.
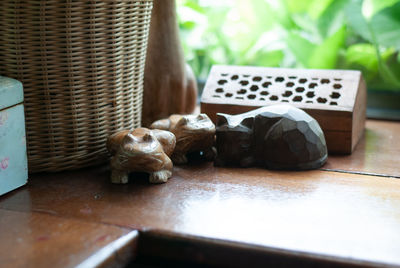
335,98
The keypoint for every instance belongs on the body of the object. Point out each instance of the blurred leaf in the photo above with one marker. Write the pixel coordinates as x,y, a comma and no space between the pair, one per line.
325,55
371,7
388,76
361,34
316,56
318,7
306,24
386,26
191,15
301,48
363,54
382,29
268,59
264,16
267,51
296,6
332,19
192,5
356,19
280,13
188,25
394,63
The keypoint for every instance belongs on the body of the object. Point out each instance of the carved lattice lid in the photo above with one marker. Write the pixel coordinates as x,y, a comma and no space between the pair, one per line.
303,88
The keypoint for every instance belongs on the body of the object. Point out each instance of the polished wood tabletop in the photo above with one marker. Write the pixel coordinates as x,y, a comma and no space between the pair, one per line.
378,153
345,214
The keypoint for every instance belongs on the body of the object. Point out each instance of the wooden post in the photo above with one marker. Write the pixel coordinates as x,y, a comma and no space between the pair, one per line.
169,84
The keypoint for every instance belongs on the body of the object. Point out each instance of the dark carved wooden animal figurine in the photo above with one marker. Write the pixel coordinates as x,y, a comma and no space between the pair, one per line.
275,137
141,150
194,133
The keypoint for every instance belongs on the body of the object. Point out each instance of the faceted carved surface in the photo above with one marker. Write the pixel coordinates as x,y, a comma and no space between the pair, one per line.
275,137
194,133
142,150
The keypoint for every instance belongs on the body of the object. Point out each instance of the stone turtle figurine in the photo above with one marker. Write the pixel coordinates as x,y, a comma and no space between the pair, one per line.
274,137
141,150
194,133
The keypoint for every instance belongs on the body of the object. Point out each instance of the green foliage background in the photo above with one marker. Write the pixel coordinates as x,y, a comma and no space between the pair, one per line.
328,34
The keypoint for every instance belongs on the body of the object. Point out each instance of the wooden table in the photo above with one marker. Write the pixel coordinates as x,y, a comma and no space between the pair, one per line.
346,214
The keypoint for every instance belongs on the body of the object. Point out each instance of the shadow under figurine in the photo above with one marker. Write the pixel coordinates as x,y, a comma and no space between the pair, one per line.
142,150
194,133
274,137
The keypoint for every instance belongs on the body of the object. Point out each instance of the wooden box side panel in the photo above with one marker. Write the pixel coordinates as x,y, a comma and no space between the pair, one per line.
337,129
359,114
338,142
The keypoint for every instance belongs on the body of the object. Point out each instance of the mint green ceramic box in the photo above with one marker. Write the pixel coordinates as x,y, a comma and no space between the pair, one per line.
13,159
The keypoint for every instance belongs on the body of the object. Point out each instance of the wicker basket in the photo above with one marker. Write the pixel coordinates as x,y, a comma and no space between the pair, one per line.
81,64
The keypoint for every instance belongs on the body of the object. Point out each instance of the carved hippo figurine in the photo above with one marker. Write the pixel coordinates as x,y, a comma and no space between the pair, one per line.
194,133
274,137
142,150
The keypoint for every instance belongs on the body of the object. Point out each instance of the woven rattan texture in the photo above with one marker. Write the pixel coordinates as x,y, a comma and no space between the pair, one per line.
81,64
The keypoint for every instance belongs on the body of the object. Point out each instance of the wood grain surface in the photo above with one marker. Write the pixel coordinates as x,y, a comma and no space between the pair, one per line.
377,153
341,212
35,239
321,212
